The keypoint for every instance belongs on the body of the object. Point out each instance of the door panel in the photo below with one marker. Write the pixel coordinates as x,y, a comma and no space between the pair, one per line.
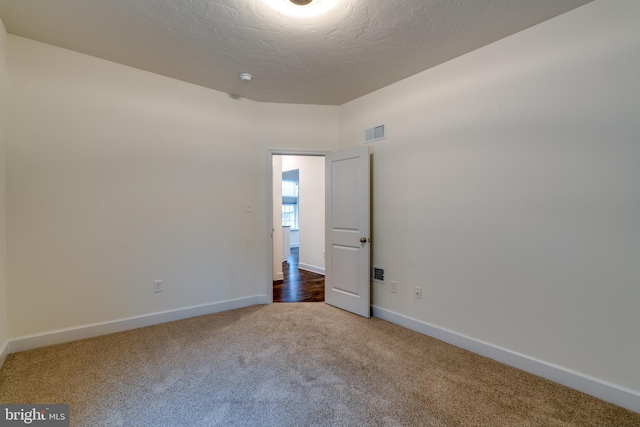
345,211
347,206
345,278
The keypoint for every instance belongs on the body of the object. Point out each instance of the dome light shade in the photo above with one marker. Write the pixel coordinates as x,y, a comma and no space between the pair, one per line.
302,8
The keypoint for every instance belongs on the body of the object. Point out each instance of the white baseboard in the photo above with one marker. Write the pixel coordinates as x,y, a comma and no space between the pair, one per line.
4,352
619,395
311,268
263,299
93,330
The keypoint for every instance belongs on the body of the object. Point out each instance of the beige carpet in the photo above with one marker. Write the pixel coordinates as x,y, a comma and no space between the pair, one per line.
305,364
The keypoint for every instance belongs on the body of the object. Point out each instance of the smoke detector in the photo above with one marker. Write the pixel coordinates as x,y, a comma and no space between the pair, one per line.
246,77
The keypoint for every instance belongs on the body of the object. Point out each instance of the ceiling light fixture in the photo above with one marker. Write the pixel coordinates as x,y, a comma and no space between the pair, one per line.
246,77
302,8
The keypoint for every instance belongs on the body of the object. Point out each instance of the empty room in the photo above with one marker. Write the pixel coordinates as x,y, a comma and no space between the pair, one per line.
480,202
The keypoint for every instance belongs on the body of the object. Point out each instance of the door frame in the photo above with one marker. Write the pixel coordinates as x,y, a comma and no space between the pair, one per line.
269,226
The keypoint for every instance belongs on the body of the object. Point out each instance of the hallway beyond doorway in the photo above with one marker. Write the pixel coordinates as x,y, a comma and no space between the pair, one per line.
298,285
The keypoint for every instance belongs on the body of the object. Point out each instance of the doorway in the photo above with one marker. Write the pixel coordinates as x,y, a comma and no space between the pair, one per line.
298,197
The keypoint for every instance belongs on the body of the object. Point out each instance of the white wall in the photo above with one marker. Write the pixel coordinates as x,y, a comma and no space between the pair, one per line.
310,209
508,190
118,177
3,193
295,239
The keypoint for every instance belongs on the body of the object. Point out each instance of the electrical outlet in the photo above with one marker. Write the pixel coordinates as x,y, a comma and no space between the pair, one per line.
157,286
394,286
418,293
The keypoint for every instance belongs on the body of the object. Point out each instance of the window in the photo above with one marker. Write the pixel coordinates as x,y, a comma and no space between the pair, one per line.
290,189
290,216
290,204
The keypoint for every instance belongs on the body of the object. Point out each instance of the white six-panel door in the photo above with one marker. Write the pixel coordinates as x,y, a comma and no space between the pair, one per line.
347,283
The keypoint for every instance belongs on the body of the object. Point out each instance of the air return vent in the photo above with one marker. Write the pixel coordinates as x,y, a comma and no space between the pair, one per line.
374,134
377,274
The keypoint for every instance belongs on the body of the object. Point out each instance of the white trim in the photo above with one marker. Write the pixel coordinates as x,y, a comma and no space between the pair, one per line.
264,299
4,352
619,395
311,268
60,336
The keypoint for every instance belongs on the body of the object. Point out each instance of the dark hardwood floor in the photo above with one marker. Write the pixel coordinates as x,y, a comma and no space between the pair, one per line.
298,285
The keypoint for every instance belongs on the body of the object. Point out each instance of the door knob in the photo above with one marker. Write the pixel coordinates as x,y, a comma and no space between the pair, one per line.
363,240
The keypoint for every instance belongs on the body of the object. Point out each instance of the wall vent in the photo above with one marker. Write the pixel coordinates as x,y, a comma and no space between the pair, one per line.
374,134
377,274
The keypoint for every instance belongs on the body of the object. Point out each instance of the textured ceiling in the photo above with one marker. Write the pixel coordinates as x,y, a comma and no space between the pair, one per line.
352,49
